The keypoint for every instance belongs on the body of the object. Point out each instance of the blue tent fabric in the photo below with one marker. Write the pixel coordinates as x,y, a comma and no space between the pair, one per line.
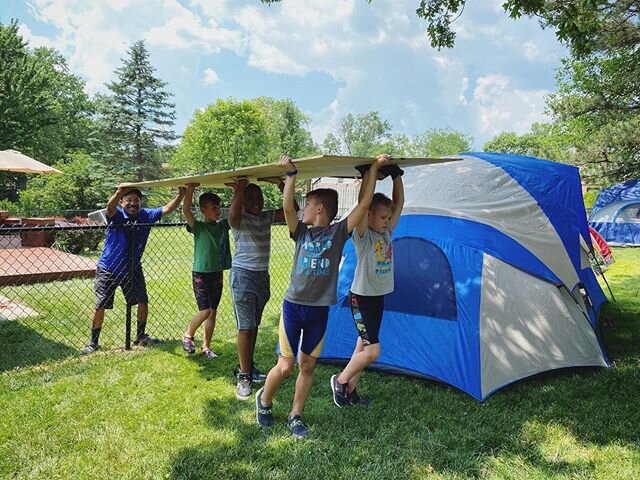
616,213
432,326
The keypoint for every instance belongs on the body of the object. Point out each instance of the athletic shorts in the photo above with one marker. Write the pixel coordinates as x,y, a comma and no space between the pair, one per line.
250,292
301,320
133,287
367,315
207,288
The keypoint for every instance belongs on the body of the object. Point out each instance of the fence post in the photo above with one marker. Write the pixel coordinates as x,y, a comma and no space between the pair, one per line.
127,327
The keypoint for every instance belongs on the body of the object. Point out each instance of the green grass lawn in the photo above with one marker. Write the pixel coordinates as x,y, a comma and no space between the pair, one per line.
157,413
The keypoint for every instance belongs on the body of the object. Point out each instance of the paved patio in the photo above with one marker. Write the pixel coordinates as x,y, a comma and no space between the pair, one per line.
41,264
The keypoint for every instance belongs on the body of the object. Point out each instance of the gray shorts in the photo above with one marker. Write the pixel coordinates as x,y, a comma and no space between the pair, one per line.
133,287
250,291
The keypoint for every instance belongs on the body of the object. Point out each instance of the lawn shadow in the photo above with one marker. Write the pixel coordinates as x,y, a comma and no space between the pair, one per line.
416,428
27,347
265,355
440,430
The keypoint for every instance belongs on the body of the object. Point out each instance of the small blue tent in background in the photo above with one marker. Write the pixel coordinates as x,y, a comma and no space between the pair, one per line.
492,276
616,214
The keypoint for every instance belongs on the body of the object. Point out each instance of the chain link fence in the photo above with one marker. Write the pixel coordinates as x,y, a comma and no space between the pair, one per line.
47,295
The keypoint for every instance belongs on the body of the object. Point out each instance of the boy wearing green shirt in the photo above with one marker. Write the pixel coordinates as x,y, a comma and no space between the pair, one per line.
211,256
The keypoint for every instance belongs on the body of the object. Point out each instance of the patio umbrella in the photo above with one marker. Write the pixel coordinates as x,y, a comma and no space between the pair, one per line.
14,161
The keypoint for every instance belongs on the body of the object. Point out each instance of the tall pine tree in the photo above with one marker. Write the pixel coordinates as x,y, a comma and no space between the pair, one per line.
138,116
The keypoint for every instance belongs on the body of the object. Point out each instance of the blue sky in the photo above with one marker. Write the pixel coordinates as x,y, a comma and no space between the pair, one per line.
332,57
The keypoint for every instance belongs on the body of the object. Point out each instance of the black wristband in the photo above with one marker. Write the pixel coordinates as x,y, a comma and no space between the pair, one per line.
291,174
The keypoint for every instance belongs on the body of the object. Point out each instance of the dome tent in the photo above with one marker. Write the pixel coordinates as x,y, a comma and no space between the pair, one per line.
492,276
616,214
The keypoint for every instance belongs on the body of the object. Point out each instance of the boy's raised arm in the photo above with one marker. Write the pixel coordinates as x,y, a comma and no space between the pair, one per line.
174,203
363,224
280,212
237,203
398,200
288,193
188,202
366,193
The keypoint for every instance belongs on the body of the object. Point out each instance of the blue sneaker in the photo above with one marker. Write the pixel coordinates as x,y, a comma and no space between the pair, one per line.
264,414
298,429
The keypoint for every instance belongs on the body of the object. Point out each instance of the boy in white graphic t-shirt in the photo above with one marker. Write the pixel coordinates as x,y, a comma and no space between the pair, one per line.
373,279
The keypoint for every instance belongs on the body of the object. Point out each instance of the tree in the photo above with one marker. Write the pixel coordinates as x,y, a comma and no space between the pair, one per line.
84,185
364,135
44,111
138,116
582,24
545,140
286,132
439,142
224,136
597,99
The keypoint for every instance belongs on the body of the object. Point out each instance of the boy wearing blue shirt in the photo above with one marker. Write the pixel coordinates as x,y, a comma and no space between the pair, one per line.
113,270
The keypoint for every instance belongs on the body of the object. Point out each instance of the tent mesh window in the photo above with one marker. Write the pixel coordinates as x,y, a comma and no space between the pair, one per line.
423,280
629,214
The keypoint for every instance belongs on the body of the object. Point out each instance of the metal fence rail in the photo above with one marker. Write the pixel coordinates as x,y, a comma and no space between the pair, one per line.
47,293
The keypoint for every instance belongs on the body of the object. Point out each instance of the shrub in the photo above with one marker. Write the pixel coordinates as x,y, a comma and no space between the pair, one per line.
77,240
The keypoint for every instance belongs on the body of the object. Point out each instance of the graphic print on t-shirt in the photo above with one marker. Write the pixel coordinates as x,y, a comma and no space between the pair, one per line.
311,261
383,257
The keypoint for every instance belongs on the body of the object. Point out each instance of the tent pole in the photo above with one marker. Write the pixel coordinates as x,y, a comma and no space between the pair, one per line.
595,261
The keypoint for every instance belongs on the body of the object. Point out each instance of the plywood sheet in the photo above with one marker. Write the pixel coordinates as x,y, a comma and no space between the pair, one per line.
309,167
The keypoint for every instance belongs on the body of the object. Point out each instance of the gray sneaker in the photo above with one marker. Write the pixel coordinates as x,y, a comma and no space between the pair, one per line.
243,390
89,348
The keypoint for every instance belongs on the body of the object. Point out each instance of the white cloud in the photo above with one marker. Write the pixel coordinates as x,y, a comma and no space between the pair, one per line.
85,36
183,29
463,90
531,50
34,41
311,14
216,9
210,77
377,54
499,107
490,88
271,59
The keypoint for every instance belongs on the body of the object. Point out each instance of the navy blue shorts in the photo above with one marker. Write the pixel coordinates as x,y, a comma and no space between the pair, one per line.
367,315
301,320
207,288
133,287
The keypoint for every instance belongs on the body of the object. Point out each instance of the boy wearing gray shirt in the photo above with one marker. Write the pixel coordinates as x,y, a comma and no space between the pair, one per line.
249,279
312,289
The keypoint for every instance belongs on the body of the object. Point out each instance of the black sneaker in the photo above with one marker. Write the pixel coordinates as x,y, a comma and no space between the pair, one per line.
355,399
298,429
89,348
264,415
146,340
256,375
339,391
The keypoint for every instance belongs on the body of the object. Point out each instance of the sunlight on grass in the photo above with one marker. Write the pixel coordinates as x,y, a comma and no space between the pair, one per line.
159,413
